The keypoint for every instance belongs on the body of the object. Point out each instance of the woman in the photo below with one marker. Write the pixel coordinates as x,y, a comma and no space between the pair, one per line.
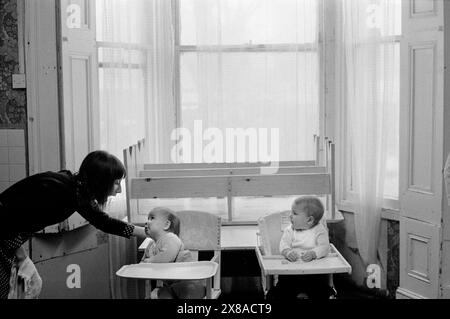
49,198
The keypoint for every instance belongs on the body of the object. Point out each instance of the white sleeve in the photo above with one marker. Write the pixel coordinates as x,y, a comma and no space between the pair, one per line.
286,239
322,244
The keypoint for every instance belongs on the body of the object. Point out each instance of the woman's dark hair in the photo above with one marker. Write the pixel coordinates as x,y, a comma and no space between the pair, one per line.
97,174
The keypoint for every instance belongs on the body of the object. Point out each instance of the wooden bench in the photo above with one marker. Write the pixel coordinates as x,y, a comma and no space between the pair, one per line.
146,181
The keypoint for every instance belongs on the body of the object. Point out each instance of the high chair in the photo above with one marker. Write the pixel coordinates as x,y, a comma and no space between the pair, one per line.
199,231
272,263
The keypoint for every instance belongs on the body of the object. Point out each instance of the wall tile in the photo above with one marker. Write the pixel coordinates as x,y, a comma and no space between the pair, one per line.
3,138
16,155
4,173
3,186
4,155
16,172
16,138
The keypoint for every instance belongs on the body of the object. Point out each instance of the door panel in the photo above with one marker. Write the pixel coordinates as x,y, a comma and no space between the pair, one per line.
419,256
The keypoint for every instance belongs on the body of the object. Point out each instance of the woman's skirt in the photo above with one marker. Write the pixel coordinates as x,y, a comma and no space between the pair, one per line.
8,249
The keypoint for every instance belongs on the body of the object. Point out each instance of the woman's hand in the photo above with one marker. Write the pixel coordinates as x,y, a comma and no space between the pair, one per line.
139,232
21,254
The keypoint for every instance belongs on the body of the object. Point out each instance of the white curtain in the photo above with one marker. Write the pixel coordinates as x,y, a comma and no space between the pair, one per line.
161,73
135,47
229,82
371,68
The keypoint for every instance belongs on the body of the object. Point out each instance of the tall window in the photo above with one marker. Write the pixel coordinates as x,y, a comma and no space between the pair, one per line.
251,64
371,73
122,55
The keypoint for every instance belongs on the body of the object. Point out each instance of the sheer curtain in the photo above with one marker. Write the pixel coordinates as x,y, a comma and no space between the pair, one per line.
120,41
161,72
371,68
252,64
136,54
135,48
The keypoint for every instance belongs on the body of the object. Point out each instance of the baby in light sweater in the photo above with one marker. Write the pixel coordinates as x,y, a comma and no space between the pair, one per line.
163,226
305,239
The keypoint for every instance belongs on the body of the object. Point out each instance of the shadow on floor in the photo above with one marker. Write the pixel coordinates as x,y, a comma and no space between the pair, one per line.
345,289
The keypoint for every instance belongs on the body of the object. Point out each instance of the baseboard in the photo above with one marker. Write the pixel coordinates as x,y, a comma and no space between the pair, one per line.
403,293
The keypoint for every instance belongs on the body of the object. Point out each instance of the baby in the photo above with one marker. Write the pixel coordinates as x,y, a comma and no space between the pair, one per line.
304,239
163,226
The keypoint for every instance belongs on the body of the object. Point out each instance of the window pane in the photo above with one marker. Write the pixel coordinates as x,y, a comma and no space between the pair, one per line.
254,90
212,205
122,98
377,18
122,57
118,21
379,87
392,83
230,22
251,208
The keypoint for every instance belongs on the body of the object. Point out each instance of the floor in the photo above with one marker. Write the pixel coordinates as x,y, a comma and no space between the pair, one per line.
247,288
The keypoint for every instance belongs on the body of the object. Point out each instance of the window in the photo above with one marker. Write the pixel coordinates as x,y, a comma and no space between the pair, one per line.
122,58
244,64
122,78
371,43
251,64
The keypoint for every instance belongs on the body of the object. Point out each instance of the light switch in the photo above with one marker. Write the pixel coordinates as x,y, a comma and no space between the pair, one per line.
19,81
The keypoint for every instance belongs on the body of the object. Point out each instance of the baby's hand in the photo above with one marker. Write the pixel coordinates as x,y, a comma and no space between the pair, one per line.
309,255
292,255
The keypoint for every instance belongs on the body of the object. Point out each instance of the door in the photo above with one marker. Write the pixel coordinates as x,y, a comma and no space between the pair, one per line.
78,86
421,147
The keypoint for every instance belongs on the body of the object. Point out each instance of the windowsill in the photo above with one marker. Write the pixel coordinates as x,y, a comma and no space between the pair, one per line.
386,213
238,237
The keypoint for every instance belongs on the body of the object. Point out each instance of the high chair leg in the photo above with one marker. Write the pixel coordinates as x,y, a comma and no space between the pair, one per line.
331,285
148,289
208,288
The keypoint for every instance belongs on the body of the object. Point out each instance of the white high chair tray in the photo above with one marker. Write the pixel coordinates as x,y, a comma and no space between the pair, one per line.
278,265
169,271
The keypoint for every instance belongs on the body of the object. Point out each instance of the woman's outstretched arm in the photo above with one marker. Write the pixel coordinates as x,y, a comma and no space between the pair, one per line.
139,232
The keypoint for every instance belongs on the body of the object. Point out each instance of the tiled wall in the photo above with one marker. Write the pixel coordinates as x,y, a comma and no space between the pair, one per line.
12,157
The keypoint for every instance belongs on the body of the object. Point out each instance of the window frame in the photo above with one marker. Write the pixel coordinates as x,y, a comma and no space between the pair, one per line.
246,48
320,47
347,196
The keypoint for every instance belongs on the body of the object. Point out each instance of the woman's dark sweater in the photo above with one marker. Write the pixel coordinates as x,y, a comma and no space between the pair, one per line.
49,198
